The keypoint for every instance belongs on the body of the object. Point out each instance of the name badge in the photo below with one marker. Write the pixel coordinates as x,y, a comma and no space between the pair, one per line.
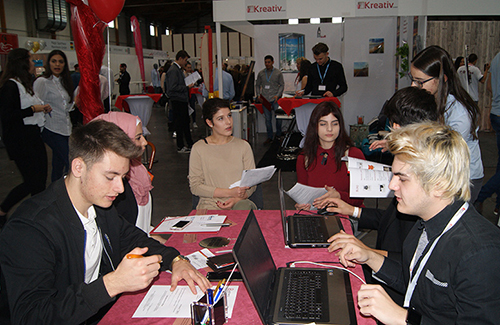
321,87
267,87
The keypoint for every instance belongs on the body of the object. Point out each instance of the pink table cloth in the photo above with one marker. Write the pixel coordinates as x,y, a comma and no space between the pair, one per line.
244,310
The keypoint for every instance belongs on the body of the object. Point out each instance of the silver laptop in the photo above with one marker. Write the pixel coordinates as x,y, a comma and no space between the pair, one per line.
290,295
303,230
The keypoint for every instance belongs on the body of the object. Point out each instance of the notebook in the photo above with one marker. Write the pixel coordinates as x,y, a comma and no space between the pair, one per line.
303,231
290,295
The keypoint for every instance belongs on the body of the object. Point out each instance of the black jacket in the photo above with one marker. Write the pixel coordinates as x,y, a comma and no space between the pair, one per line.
42,259
460,283
334,79
176,86
124,82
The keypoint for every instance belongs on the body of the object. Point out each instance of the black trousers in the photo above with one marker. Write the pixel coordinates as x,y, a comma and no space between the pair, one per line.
181,123
32,164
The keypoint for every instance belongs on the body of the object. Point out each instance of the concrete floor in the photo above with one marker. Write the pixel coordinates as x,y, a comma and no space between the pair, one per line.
171,194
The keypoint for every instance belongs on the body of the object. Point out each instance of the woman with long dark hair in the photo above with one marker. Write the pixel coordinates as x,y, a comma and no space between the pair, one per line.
301,81
22,115
55,87
432,69
319,164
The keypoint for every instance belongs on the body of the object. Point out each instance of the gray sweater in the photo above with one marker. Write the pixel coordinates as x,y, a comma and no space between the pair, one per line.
270,84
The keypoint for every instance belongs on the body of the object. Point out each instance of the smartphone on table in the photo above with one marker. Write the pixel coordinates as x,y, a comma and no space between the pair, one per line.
180,225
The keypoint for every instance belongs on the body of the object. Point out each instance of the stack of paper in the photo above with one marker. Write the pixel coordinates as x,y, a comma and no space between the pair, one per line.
368,179
305,194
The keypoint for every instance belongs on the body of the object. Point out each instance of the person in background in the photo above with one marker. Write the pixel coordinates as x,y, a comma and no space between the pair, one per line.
305,65
155,79
493,184
459,61
55,88
432,69
319,164
64,254
22,115
296,83
471,81
270,85
450,260
108,74
178,93
218,161
124,80
326,77
192,97
75,76
227,85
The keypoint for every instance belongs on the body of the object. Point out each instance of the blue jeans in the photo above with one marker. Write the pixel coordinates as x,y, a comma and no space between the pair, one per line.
60,151
493,184
269,121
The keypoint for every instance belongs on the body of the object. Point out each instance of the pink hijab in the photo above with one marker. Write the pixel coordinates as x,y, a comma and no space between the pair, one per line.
138,176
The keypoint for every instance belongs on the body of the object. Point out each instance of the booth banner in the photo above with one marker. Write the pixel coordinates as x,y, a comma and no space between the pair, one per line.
377,8
265,9
138,47
8,42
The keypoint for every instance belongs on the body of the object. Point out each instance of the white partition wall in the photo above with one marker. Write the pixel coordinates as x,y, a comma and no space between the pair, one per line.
366,95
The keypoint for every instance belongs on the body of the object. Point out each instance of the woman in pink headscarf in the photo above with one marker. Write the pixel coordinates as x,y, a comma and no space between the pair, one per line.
138,176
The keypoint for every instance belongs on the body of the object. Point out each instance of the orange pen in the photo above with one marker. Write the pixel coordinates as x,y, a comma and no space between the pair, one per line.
134,256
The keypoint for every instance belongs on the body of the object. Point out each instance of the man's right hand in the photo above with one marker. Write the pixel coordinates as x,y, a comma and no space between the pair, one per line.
132,274
336,205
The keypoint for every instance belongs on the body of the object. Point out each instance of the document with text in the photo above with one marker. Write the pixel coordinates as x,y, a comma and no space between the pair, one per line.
304,194
368,179
252,177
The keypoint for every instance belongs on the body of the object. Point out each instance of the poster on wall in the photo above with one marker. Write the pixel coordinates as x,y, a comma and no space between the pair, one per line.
376,45
292,47
360,69
8,42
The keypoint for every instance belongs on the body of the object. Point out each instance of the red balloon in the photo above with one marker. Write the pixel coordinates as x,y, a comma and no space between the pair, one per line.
106,10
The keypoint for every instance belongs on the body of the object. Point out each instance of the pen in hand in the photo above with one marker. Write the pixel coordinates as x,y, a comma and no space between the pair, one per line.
129,256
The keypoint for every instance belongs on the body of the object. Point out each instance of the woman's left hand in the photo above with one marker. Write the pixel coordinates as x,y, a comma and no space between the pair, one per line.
240,192
228,204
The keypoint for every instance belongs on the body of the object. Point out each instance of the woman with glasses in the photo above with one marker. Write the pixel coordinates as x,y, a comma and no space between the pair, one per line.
433,70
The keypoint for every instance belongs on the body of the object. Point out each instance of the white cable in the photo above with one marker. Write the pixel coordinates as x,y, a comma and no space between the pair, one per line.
330,266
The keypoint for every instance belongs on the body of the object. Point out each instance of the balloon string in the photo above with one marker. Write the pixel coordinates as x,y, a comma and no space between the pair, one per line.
109,68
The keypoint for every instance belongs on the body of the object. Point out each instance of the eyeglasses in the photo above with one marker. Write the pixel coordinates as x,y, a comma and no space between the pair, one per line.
419,83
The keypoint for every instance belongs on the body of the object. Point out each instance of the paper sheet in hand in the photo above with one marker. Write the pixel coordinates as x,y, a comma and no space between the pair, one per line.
252,177
192,78
369,183
161,302
365,164
198,224
303,194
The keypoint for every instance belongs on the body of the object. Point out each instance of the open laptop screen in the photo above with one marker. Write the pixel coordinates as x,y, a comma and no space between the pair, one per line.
255,263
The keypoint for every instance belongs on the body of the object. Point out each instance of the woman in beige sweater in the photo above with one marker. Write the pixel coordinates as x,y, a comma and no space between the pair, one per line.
217,161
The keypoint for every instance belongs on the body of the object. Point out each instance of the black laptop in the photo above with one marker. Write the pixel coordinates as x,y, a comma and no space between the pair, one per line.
303,231
290,295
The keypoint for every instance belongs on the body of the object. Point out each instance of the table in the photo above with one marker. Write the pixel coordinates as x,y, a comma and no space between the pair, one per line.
140,105
244,312
287,104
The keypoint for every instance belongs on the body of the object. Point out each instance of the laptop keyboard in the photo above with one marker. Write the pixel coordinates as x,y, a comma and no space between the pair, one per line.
309,230
305,299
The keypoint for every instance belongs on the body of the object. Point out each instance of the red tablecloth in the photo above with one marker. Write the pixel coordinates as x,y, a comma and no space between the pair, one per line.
194,91
287,104
120,99
244,310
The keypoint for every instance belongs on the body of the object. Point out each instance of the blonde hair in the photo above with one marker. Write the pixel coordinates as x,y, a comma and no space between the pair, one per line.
437,155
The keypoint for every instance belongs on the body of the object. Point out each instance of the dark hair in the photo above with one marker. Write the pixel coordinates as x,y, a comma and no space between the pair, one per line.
123,65
457,62
472,57
320,48
436,62
18,67
167,65
311,142
91,141
269,57
76,66
182,54
66,80
304,68
212,106
411,105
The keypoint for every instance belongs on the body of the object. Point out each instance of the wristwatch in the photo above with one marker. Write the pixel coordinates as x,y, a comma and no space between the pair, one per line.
413,317
178,258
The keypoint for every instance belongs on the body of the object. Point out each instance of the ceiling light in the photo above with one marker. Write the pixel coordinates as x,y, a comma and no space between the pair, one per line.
336,20
293,21
315,20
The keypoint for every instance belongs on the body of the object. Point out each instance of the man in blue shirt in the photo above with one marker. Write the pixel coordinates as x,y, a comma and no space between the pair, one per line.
227,85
